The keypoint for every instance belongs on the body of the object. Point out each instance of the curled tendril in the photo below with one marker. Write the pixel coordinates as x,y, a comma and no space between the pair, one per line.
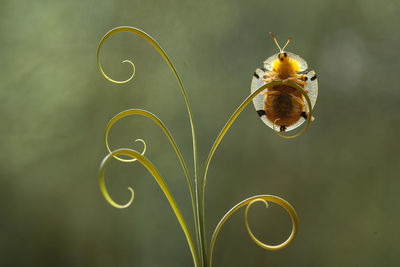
263,245
154,118
160,181
250,201
127,160
108,35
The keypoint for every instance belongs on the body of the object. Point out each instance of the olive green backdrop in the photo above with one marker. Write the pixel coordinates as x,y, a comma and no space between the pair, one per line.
341,175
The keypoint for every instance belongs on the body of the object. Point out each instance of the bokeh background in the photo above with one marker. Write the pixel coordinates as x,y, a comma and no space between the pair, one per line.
342,175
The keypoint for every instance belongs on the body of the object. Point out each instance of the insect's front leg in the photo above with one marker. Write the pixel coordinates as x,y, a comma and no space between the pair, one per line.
270,76
297,79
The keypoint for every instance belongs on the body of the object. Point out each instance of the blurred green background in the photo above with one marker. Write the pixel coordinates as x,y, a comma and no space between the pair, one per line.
341,175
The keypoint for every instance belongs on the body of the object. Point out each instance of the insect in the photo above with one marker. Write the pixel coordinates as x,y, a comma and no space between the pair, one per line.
282,106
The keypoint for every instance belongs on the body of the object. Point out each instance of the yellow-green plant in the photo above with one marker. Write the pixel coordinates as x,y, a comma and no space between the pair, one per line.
201,253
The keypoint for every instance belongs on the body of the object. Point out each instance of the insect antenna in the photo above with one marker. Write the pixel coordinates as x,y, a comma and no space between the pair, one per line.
276,42
288,41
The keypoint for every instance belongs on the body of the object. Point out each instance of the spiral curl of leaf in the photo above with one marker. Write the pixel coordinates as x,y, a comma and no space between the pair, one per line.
160,181
250,201
154,118
108,35
126,160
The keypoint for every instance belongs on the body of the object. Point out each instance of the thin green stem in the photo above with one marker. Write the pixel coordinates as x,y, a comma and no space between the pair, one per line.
228,125
153,171
154,43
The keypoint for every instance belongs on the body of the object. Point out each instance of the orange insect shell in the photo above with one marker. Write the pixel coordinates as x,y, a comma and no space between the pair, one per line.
283,105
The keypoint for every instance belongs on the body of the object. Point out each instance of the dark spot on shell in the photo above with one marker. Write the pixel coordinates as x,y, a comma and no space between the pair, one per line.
261,112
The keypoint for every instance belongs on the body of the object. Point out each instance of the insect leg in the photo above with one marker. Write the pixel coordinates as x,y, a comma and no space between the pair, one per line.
298,100
304,114
297,80
270,76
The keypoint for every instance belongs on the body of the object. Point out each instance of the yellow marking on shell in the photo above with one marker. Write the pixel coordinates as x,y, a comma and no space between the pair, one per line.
286,68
